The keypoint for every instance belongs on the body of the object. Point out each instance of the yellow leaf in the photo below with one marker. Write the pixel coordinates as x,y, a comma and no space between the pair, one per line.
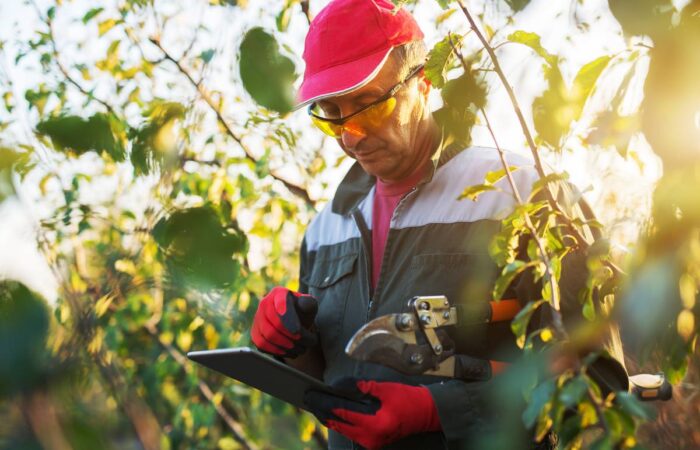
227,443
42,184
308,431
105,26
102,305
64,313
243,301
688,290
181,304
196,323
95,344
211,336
217,398
184,340
171,394
546,335
166,337
77,283
126,266
686,324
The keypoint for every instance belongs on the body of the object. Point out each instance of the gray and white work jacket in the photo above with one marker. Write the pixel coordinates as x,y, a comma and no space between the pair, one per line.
436,245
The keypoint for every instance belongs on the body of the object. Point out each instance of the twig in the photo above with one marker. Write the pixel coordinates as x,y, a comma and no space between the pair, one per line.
235,427
581,240
297,190
598,410
40,411
551,278
556,314
305,9
64,71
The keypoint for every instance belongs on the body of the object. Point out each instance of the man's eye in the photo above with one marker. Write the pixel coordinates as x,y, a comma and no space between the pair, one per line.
330,111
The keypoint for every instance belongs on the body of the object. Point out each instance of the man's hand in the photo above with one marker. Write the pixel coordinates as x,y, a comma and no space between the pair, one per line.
278,328
385,413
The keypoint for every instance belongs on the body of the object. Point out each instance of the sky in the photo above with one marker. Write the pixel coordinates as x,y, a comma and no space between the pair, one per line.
19,257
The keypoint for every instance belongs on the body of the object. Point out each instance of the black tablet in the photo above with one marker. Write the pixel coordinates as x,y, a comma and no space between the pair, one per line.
262,372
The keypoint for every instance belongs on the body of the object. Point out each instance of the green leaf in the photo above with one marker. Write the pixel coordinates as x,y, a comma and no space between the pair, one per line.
101,133
521,321
473,192
267,75
610,129
573,391
541,183
538,400
632,406
456,123
283,18
207,55
24,327
92,13
585,80
532,40
517,5
444,16
649,17
464,91
154,145
440,59
509,272
8,160
199,250
551,112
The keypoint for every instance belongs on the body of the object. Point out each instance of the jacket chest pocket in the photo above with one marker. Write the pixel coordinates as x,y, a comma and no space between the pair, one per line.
465,279
331,282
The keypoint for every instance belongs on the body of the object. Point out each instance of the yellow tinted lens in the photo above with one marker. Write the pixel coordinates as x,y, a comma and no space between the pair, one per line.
374,117
328,128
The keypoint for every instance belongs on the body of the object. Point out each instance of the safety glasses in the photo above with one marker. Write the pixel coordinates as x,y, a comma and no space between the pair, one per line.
369,117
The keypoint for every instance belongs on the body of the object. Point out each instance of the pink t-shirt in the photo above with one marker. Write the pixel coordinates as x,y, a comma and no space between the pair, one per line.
386,198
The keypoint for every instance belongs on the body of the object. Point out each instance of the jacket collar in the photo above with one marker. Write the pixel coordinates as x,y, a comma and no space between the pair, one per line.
357,183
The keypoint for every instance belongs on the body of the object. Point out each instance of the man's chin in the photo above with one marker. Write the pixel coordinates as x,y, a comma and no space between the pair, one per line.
372,167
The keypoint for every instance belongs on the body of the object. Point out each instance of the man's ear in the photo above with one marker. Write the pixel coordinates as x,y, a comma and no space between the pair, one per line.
424,84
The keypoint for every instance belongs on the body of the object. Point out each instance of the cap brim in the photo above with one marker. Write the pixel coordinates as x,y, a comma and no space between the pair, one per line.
341,79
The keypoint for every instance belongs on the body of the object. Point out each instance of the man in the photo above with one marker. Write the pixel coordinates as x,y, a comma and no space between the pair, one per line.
395,229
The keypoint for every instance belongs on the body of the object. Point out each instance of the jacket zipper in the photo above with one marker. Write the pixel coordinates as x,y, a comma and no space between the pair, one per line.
366,239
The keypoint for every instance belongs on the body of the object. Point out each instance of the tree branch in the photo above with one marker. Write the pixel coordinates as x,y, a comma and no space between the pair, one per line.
551,278
235,427
556,314
305,9
40,411
64,71
581,240
295,189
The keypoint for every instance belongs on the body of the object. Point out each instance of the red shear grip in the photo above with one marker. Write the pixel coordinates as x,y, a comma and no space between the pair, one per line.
505,309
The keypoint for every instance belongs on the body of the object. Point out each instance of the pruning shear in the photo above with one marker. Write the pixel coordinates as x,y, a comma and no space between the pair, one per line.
416,343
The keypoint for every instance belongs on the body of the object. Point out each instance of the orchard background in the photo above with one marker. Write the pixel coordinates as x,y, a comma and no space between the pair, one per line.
155,184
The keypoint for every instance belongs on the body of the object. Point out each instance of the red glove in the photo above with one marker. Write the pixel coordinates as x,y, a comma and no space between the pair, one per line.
277,327
382,413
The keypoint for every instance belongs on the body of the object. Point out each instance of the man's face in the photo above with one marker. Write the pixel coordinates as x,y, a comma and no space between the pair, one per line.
396,148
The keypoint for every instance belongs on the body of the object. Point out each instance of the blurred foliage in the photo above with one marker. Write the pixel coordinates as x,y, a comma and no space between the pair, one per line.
267,74
161,262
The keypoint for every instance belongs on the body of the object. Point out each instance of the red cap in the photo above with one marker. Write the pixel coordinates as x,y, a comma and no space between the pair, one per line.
348,43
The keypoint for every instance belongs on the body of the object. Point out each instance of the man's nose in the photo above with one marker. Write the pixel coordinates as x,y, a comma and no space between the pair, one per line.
352,136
